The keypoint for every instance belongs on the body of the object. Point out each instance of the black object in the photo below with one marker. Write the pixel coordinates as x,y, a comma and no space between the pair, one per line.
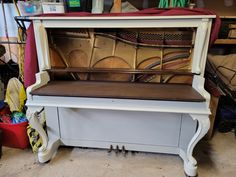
8,1
2,50
78,5
211,74
226,115
8,70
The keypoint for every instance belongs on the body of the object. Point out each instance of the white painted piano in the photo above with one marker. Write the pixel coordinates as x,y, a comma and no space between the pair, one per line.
79,113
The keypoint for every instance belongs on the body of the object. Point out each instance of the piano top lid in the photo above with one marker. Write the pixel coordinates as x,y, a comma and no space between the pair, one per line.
150,13
121,21
100,17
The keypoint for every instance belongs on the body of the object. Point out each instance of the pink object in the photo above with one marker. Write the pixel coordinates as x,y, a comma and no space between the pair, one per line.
31,62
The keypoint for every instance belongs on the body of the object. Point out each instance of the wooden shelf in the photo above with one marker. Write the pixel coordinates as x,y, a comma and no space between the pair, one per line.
120,90
120,71
229,16
225,41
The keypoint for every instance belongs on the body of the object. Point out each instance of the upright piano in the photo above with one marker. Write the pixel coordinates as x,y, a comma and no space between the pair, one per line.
125,82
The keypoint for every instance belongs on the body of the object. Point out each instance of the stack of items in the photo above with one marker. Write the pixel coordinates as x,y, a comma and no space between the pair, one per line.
221,77
13,121
28,8
35,7
8,117
221,71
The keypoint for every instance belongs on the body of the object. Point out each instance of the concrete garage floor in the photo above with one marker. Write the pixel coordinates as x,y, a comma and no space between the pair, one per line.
216,158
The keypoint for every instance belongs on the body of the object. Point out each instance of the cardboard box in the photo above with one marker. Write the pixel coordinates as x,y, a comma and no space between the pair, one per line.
53,7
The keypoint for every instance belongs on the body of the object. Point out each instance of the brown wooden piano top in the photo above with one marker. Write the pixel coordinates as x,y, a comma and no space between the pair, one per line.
143,91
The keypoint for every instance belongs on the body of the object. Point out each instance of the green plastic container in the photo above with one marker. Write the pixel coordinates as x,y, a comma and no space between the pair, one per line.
78,5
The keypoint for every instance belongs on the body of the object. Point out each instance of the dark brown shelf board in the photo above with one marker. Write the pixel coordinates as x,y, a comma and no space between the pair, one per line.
120,90
121,71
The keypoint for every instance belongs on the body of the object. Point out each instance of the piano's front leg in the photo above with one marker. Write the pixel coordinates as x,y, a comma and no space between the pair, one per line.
49,145
190,163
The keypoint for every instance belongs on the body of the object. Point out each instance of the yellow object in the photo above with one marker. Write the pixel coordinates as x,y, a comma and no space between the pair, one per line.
34,137
15,95
21,54
116,8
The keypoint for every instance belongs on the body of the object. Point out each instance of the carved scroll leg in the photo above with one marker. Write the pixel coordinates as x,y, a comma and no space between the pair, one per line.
190,163
49,146
48,153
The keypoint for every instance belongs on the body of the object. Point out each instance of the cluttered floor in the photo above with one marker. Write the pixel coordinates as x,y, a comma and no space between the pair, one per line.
216,158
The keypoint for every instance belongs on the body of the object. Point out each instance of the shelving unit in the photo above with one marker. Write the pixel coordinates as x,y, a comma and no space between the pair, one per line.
226,41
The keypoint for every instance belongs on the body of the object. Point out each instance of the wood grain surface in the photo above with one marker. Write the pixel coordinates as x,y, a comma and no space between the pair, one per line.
114,63
78,58
143,91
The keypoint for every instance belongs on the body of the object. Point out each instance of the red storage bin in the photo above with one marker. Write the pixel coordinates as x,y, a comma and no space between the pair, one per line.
15,135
